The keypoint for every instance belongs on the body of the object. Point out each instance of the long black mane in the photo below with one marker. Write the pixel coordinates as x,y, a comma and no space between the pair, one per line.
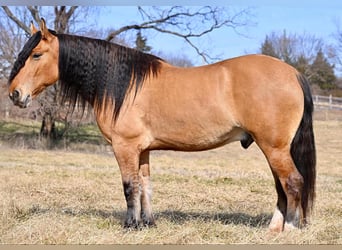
93,71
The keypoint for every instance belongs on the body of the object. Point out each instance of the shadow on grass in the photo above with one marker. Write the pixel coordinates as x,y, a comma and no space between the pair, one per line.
179,217
175,217
102,214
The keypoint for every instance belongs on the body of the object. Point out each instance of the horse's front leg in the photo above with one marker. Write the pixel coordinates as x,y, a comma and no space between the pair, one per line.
128,160
144,174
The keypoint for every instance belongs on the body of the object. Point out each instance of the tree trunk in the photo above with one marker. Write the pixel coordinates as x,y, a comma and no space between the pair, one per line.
48,131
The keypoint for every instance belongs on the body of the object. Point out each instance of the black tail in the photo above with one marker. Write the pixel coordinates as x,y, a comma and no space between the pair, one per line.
303,150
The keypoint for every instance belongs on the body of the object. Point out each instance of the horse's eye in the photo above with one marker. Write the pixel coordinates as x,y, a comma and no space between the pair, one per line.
36,56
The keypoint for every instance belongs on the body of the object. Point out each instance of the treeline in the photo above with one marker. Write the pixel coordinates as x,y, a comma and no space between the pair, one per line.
309,55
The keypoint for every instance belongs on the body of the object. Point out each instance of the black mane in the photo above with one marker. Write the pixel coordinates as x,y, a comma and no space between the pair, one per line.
93,71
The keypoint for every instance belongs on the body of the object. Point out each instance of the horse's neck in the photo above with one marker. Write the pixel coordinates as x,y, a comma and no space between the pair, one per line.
79,72
97,71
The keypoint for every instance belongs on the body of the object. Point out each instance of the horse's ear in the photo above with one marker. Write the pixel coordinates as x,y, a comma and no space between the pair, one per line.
44,30
33,29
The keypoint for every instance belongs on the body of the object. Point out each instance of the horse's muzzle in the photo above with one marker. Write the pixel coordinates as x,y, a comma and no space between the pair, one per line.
18,100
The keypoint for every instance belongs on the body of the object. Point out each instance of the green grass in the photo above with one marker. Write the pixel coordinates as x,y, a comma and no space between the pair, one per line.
26,134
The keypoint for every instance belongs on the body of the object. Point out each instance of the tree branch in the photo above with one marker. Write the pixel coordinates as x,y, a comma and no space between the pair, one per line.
16,20
185,23
115,33
71,11
34,12
62,19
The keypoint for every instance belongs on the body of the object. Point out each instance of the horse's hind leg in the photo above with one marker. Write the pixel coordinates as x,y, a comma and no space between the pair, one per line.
289,184
144,179
278,219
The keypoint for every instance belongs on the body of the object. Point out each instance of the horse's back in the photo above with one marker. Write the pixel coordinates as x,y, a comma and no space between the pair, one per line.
204,107
237,88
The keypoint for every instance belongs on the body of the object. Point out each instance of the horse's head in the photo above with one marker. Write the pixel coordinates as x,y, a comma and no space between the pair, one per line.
36,66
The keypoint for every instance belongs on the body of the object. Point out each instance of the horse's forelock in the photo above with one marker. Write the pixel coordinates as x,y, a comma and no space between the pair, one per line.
24,54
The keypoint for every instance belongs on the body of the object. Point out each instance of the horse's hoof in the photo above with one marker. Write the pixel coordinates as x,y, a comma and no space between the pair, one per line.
149,224
132,225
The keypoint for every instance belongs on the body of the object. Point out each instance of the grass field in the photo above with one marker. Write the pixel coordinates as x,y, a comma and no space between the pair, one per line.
225,195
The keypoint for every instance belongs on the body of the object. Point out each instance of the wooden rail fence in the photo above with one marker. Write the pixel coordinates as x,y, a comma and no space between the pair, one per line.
327,102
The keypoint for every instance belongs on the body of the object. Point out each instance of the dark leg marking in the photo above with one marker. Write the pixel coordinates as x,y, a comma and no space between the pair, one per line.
132,221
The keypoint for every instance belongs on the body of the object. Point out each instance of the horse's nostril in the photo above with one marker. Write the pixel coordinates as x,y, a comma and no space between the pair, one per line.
15,95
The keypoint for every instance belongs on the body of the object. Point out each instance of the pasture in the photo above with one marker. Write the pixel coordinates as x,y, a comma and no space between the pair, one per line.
225,195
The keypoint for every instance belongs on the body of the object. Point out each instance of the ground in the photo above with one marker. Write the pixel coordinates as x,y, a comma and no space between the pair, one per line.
225,195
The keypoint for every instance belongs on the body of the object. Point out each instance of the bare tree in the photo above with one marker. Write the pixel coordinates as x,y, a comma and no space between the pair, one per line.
12,38
307,53
290,46
186,23
299,50
337,50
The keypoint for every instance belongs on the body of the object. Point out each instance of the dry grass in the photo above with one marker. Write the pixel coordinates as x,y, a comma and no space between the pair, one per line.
221,196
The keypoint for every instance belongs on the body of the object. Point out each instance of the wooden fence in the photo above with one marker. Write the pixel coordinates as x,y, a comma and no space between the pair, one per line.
327,102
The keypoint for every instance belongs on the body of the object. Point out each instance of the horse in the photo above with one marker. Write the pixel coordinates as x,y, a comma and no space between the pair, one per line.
142,103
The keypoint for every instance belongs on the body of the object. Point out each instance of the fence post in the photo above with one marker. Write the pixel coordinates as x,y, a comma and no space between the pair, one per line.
330,101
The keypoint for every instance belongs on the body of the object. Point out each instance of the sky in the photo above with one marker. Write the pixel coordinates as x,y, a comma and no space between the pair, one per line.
312,17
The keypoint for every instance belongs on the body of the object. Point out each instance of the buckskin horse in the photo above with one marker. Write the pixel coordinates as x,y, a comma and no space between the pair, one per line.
142,103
